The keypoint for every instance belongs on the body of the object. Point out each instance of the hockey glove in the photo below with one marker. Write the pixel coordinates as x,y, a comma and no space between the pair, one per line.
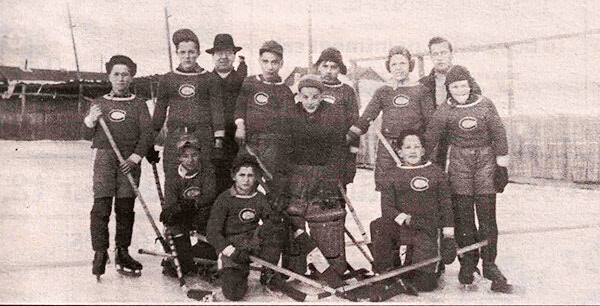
241,256
152,156
170,214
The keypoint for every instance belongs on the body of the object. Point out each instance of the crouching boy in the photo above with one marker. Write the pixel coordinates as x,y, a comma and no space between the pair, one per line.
233,229
414,205
188,202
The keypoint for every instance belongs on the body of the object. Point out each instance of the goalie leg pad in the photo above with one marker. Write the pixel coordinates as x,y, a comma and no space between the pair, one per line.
234,283
385,242
296,210
327,228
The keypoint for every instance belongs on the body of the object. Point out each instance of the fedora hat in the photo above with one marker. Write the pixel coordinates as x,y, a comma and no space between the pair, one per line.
223,42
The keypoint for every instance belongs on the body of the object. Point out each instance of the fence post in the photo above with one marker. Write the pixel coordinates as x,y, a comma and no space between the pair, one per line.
23,110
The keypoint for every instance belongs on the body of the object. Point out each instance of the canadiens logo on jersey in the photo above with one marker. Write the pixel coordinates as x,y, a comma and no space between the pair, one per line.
401,100
328,98
419,183
247,214
467,123
187,90
261,98
117,115
192,193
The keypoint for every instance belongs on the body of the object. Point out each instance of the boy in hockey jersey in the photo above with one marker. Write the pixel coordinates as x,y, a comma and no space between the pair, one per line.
343,103
404,105
414,205
315,198
477,145
187,205
233,229
129,122
193,98
263,105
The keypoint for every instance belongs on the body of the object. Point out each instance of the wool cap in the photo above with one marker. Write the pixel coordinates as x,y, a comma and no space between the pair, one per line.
311,80
271,46
121,60
185,35
458,73
332,55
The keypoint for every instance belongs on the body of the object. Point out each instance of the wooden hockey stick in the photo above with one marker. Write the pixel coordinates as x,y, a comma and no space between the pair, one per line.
260,163
111,140
354,215
359,246
161,197
387,146
403,270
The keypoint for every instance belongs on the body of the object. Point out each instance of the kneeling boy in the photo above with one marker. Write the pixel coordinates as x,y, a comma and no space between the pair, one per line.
414,205
233,229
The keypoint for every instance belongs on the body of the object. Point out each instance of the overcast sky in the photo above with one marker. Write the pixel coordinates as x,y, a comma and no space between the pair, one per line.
38,30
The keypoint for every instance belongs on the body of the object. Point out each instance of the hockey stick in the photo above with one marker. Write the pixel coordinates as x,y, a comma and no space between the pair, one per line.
157,181
359,246
354,215
111,140
293,275
260,163
403,270
387,146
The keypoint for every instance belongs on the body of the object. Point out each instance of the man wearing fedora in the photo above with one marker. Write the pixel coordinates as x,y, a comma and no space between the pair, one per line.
223,54
343,104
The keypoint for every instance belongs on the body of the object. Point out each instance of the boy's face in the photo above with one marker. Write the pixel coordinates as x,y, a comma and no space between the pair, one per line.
270,63
441,56
120,78
329,71
310,98
245,180
399,67
412,150
188,53
189,159
460,91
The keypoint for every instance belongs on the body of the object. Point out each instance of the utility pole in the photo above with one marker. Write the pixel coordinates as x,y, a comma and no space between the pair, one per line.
78,74
168,36
310,47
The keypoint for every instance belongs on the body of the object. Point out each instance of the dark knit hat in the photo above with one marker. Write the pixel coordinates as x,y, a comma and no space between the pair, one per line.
271,46
332,55
311,80
121,60
185,35
223,42
458,73
400,50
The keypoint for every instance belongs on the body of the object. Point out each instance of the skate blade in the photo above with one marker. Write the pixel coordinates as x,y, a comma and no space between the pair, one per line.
511,289
128,272
468,287
201,295
97,278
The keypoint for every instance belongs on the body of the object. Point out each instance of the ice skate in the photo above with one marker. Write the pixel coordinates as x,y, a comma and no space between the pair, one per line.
99,263
465,277
499,282
126,265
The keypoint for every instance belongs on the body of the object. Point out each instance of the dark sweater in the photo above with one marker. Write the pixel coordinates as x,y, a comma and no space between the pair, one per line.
230,90
234,217
404,108
128,121
423,192
264,106
193,99
475,124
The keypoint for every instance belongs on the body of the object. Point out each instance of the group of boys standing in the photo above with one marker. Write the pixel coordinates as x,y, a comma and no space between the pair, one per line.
228,133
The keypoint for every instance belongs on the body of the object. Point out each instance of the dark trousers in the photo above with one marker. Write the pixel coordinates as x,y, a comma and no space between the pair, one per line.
466,232
387,236
224,163
100,216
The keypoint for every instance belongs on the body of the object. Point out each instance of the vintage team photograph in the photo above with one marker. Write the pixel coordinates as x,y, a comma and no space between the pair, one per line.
300,152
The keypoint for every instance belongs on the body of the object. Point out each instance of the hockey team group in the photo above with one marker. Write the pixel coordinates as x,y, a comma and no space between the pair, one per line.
259,173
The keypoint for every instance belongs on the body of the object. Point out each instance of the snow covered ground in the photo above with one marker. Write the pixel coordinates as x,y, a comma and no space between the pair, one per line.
46,197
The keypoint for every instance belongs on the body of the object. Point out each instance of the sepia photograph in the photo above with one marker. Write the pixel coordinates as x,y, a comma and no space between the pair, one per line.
300,152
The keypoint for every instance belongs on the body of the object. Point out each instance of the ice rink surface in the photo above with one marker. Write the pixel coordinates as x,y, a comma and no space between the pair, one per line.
46,255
